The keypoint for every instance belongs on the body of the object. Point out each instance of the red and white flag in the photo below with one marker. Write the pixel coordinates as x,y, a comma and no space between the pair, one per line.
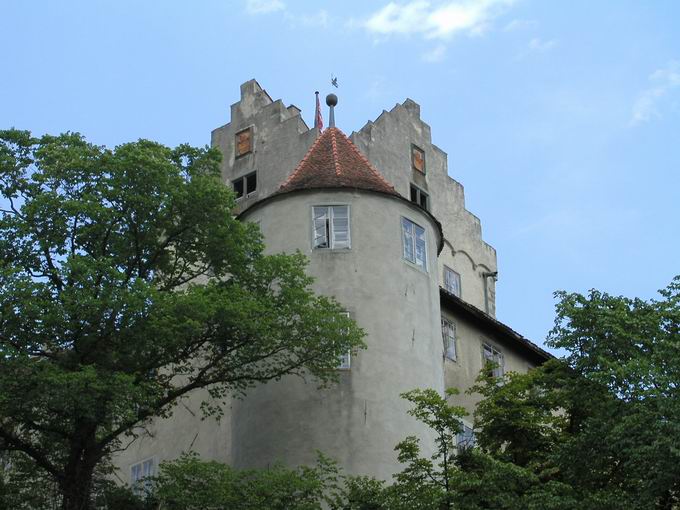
318,119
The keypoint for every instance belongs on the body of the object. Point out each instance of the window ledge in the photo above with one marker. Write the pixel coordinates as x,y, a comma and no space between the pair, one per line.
335,251
415,267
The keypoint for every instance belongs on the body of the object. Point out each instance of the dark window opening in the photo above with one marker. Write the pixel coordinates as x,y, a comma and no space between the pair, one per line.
251,184
418,196
246,184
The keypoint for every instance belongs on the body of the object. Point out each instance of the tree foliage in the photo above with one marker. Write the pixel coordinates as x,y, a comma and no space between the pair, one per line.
191,484
605,421
126,283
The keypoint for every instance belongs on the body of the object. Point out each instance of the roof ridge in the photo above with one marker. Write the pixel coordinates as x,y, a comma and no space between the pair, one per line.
334,146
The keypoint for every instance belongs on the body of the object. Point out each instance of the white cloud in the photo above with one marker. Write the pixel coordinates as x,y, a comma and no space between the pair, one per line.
320,18
437,54
441,20
663,81
541,46
264,6
519,24
536,45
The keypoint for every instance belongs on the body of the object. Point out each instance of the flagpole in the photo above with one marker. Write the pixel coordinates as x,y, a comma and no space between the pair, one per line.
318,119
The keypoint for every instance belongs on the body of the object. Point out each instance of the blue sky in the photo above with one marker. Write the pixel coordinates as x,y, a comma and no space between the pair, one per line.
561,119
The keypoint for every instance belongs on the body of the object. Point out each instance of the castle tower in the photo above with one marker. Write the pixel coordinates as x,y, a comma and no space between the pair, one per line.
376,253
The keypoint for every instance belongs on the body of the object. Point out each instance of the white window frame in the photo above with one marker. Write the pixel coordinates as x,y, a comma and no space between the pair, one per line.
330,227
410,238
466,437
491,353
421,195
345,360
456,277
449,339
139,481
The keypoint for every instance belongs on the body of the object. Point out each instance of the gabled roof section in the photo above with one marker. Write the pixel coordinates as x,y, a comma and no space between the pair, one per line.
333,161
451,302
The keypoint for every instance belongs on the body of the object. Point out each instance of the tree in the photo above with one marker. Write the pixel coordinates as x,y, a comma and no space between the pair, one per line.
125,284
191,484
605,421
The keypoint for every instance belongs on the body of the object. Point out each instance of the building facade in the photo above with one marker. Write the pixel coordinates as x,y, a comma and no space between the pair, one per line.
388,236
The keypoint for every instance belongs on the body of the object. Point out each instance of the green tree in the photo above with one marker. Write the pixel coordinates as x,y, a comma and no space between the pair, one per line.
605,421
191,484
125,284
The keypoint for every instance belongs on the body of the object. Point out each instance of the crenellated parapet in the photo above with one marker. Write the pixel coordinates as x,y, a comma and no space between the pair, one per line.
262,144
400,144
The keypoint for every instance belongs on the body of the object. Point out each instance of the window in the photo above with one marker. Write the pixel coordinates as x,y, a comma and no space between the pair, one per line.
493,361
466,437
139,474
451,281
449,338
244,142
418,196
345,361
414,243
245,185
418,159
331,227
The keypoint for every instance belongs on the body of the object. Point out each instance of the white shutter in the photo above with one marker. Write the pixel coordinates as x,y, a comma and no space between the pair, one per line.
321,227
340,226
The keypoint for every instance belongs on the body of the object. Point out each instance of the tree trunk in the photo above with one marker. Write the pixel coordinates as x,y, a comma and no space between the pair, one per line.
76,489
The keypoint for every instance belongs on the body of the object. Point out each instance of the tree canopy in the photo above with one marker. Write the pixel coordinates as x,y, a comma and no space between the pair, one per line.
126,283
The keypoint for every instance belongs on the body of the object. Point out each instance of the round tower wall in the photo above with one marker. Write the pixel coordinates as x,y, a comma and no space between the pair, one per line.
359,421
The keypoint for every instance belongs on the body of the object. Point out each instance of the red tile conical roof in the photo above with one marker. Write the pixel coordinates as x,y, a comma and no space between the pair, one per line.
333,161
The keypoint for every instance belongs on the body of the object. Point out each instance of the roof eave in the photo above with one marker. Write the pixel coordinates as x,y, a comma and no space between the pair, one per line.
492,325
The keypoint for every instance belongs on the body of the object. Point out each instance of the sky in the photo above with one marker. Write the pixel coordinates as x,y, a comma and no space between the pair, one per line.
561,119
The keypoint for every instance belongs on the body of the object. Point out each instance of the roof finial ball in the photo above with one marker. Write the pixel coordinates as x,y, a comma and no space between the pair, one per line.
331,101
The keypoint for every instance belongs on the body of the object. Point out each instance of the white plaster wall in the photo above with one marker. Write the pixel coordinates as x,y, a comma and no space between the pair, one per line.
184,431
463,372
359,421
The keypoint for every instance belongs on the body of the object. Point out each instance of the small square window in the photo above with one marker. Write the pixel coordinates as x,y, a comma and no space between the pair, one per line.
418,159
415,246
330,224
493,361
451,281
244,142
418,196
246,184
449,338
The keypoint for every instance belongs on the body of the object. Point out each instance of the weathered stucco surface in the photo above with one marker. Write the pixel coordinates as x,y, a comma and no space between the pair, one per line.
359,421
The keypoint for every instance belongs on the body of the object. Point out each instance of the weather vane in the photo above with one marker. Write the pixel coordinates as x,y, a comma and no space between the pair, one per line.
334,81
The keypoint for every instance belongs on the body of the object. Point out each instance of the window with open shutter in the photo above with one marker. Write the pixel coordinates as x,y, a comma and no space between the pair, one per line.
331,227
493,360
